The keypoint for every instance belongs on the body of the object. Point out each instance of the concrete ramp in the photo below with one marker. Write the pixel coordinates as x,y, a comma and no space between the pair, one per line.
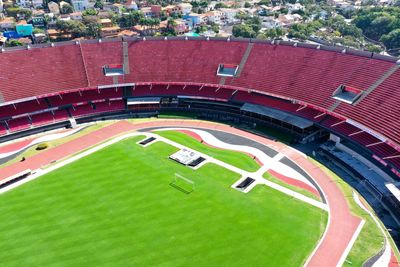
125,55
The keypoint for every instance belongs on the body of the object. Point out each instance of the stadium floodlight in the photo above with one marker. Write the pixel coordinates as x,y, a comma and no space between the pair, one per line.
183,184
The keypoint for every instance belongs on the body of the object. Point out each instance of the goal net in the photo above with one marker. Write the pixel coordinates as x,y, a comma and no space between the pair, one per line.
183,184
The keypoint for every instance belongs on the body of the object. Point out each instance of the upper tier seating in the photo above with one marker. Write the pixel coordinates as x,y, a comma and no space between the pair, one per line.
379,110
35,72
304,74
181,61
96,55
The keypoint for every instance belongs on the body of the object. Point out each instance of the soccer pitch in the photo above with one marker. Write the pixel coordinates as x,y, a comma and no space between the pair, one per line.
116,207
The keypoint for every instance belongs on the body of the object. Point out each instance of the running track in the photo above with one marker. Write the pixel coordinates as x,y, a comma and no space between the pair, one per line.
342,224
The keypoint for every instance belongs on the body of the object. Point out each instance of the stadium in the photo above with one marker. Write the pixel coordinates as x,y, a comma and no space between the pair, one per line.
199,151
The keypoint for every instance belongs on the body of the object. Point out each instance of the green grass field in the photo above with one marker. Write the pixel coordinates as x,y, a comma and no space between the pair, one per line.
116,208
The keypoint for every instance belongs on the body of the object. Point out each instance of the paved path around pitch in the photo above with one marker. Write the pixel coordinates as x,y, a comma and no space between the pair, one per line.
341,226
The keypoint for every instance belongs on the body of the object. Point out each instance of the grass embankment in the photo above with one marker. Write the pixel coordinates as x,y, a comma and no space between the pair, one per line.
371,240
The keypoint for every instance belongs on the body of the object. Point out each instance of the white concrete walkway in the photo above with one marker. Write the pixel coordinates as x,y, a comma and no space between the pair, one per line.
258,175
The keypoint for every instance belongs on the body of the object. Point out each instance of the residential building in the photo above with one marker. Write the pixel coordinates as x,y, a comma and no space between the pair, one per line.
105,23
289,19
229,15
215,16
76,15
38,22
131,5
193,19
54,8
147,12
110,32
127,33
181,26
8,23
24,29
156,10
171,9
80,5
30,3
185,8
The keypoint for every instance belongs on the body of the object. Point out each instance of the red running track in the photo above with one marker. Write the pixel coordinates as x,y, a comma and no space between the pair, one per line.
342,224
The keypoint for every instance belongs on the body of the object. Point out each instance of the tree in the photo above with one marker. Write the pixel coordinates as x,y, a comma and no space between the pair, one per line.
220,5
66,9
89,12
131,19
37,30
93,29
99,4
247,5
243,30
75,28
241,16
391,40
215,28
373,48
201,29
380,26
18,12
272,33
170,30
13,42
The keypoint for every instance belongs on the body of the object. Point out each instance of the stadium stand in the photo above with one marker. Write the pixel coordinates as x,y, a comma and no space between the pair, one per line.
22,108
19,124
181,61
96,55
41,71
294,79
42,119
3,129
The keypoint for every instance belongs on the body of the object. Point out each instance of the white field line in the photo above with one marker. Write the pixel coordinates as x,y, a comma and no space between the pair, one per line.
267,162
384,260
350,244
256,175
243,173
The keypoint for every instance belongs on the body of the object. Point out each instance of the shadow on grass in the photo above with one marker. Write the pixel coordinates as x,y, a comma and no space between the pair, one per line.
183,190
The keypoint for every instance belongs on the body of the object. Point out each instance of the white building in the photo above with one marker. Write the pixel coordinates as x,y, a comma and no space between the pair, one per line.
30,3
54,8
186,8
229,15
215,16
80,5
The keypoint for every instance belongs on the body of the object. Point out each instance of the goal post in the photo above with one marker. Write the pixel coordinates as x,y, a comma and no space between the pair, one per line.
183,184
